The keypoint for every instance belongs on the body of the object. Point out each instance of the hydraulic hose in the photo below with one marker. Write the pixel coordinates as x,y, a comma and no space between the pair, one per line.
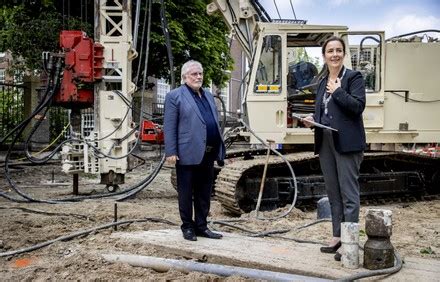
82,233
413,33
145,184
164,24
396,268
52,91
288,165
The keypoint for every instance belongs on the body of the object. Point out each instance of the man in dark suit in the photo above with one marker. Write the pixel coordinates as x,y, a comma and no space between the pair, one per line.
193,142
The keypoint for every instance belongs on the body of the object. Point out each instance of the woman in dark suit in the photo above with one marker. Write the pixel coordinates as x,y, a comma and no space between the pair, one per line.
340,102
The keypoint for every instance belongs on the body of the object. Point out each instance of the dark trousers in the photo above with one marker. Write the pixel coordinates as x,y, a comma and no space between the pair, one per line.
341,174
194,184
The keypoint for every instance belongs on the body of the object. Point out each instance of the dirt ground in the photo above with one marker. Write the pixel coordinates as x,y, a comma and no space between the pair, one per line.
415,231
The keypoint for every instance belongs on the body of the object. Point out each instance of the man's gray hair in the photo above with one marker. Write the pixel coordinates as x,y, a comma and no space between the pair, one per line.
186,67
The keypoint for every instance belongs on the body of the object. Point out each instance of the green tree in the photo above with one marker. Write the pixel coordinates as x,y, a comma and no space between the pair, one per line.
194,35
29,27
28,30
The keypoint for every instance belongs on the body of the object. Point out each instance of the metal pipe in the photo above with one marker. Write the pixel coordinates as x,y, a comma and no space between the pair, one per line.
115,216
136,24
263,178
350,244
75,184
163,265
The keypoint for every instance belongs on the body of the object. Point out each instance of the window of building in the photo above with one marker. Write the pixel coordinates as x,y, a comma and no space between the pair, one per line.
162,89
354,57
366,55
2,75
18,77
224,94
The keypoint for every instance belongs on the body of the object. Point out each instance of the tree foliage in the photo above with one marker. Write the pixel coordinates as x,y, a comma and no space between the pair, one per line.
29,27
194,35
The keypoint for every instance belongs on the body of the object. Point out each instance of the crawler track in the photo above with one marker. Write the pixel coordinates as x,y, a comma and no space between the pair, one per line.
230,175
385,176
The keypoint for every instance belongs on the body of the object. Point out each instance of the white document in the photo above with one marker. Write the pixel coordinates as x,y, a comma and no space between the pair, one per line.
313,122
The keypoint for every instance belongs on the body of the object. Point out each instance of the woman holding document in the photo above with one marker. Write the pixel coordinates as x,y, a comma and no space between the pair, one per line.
340,101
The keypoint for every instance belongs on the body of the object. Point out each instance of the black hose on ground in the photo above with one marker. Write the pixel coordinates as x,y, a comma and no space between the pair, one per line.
387,271
145,184
79,216
82,233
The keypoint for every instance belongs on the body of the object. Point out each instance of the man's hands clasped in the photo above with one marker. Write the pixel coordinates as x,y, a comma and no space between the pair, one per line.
171,160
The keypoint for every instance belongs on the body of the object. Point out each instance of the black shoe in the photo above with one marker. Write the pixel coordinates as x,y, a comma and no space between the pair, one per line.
338,256
331,250
209,234
188,234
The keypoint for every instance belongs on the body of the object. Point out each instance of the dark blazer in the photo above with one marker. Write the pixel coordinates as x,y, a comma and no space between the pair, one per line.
185,129
345,112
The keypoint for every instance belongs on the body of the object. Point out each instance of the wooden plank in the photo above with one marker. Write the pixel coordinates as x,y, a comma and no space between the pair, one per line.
270,254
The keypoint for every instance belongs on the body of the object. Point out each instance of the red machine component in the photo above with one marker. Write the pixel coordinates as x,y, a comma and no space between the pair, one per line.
151,132
83,66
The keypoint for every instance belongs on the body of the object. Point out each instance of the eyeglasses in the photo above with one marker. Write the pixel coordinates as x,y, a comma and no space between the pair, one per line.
195,74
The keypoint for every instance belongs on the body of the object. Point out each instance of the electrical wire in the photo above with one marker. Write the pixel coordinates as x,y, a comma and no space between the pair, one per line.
128,103
218,90
272,233
262,13
288,165
222,102
238,30
79,216
33,130
293,10
413,33
136,23
387,271
414,100
48,146
145,184
144,27
164,24
276,7
82,233
137,187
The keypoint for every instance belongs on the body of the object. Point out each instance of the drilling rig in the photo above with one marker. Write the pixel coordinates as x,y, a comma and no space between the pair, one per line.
401,107
97,88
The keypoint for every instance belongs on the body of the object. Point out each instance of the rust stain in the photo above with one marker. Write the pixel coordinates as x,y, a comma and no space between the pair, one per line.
23,262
